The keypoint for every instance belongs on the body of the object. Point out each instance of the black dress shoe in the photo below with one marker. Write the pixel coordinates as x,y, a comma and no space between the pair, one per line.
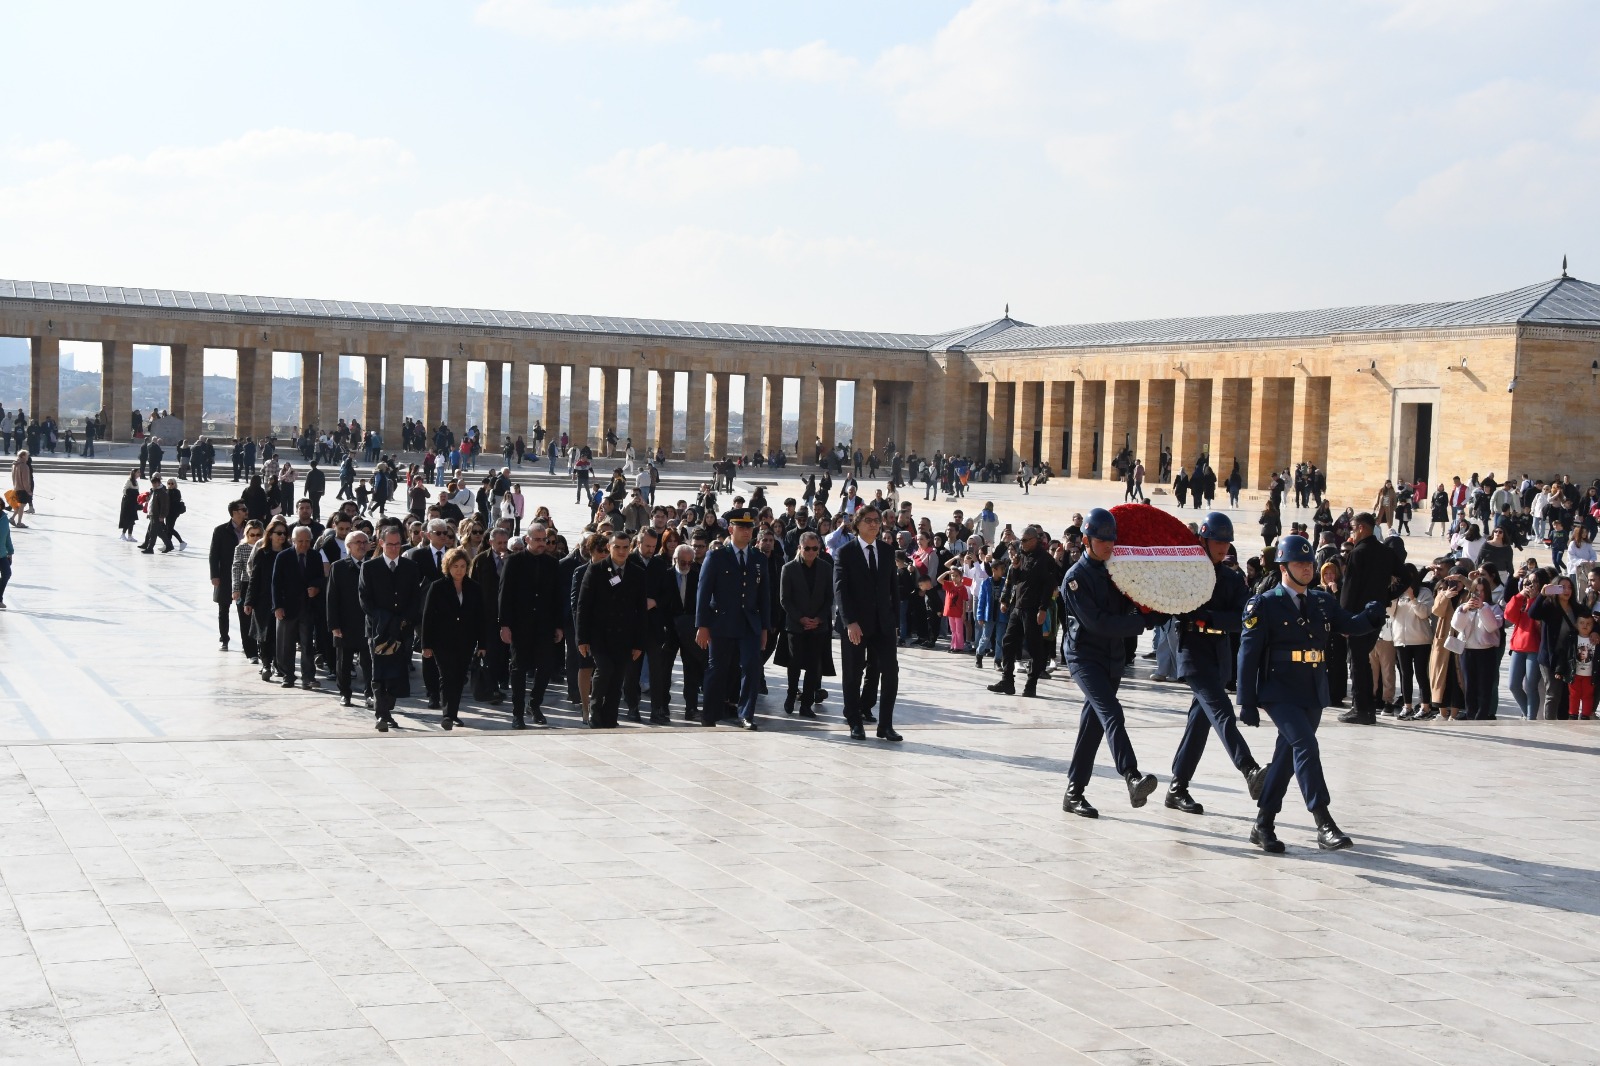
1140,786
447,723
433,703
1254,780
383,725
788,705
518,722
289,683
1263,837
1178,799
807,712
345,701
224,646
748,723
857,733
889,734
1074,802
1005,688
1353,717
868,719
1030,690
1329,836
822,694
633,715
537,715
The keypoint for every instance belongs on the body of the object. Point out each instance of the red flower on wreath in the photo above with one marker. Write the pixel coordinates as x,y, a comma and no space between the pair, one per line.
1144,525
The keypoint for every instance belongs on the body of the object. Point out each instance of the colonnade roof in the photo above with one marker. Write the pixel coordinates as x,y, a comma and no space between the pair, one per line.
1563,301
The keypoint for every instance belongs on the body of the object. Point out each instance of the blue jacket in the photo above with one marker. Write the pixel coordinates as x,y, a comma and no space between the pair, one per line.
6,550
729,603
1276,633
985,606
1100,618
1204,649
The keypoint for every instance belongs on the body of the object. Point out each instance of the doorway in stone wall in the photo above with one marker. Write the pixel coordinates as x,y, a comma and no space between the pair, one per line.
1413,442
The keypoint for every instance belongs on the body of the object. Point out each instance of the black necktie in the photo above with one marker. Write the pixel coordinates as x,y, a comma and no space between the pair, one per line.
872,559
741,559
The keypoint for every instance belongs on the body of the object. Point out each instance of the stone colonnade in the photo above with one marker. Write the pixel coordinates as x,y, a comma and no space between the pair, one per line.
701,379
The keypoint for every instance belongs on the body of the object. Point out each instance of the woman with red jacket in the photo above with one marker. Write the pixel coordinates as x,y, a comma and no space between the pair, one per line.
1523,644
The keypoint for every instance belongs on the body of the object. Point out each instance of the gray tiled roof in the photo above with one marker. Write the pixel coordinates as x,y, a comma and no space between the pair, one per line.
1560,301
652,328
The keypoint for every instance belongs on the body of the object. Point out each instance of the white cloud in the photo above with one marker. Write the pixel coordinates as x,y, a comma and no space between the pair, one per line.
1527,183
661,172
813,62
632,20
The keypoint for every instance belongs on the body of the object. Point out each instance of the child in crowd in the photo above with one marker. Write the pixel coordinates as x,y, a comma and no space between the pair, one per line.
954,584
1579,658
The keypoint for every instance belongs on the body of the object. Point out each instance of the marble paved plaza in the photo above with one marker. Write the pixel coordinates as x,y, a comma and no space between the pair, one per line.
198,868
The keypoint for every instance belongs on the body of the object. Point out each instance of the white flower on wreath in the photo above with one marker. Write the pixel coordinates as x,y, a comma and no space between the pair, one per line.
1171,580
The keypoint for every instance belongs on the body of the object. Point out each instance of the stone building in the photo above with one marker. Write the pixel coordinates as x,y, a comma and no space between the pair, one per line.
1504,383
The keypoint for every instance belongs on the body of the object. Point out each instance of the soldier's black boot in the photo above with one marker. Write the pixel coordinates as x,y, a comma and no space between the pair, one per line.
1031,689
1329,836
1075,803
1178,799
517,721
1007,685
788,704
1140,786
1264,837
1254,779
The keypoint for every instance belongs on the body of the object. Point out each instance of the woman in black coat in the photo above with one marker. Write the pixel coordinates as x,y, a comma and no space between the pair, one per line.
255,500
258,591
128,516
452,629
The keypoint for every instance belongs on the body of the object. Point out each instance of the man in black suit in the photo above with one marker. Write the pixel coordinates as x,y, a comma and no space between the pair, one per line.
315,485
485,572
806,593
429,561
297,580
657,574
530,608
864,591
677,603
611,620
391,598
224,540
346,620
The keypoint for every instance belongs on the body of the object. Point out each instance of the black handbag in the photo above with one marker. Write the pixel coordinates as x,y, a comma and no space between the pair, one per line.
482,683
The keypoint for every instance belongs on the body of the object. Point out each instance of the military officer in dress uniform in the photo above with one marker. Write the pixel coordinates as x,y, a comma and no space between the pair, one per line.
733,611
1205,662
1100,619
1283,668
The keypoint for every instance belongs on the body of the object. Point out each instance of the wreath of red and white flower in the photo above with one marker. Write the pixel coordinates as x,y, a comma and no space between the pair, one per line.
1158,563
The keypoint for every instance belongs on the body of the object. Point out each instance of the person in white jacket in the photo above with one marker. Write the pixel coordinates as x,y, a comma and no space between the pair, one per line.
1477,623
1412,626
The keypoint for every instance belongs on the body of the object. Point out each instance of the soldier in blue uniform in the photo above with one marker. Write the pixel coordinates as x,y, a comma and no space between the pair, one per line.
733,611
1283,667
1205,662
1100,619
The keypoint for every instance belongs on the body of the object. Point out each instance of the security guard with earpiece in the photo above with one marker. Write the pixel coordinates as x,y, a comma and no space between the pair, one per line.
1283,667
1205,662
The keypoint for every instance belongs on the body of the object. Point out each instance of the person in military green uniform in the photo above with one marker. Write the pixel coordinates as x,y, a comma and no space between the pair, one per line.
1283,668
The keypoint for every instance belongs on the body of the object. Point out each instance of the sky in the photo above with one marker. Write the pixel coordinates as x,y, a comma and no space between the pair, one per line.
907,165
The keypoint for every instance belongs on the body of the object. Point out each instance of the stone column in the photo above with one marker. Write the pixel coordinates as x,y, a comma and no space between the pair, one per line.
775,442
1025,420
372,396
1230,426
830,413
550,416
455,415
1308,441
261,424
1262,444
638,408
578,405
116,388
433,394
1190,418
44,378
1057,402
666,409
809,426
1124,424
1088,416
751,437
1155,425
394,399
861,419
721,382
520,395
493,397
694,421
187,392
998,408
244,396
328,390
931,399
310,389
